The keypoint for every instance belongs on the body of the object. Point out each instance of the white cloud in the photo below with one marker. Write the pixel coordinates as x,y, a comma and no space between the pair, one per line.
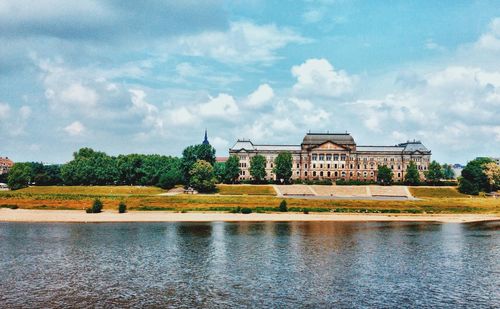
317,77
222,106
4,110
491,39
181,116
302,104
220,144
243,42
79,95
76,128
149,112
263,94
312,16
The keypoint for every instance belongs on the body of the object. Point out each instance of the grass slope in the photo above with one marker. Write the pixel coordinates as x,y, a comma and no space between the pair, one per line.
245,190
74,198
436,192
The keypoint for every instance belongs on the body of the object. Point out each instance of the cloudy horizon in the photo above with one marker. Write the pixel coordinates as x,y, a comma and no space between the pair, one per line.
149,77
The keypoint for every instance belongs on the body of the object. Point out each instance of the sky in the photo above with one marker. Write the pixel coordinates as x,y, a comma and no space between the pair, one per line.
150,76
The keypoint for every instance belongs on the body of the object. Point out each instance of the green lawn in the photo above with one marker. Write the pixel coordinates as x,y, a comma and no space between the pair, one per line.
245,190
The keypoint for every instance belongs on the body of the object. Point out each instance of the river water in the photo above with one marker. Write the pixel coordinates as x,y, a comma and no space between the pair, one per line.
276,265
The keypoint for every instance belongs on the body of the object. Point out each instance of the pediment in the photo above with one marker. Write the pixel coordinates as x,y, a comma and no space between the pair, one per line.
329,146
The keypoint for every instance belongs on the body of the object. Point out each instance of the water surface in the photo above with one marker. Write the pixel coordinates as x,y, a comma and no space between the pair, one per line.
296,264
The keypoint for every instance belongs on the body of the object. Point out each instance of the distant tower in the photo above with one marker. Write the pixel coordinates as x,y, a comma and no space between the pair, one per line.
205,141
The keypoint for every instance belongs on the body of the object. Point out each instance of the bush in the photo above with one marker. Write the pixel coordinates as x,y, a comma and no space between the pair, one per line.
10,206
236,210
246,210
283,207
96,207
306,212
122,207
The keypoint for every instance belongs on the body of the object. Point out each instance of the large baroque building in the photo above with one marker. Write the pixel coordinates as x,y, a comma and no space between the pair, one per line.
335,156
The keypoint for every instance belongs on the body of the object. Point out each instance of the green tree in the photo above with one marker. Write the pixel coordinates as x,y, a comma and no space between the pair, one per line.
473,179
258,168
96,207
232,169
492,172
384,175
220,171
19,176
90,167
130,168
202,177
412,176
283,167
435,173
170,178
448,172
191,154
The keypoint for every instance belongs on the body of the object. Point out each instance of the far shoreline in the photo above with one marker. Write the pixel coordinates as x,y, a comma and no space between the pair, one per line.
79,216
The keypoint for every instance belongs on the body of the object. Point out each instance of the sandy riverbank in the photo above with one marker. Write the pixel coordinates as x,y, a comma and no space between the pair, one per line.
28,215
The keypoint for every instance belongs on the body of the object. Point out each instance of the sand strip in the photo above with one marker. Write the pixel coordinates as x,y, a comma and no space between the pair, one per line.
28,215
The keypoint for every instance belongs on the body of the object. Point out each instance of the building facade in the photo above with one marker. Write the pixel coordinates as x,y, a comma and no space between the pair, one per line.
5,165
335,156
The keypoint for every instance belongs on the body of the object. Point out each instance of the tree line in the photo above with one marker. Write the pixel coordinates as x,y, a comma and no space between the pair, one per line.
197,168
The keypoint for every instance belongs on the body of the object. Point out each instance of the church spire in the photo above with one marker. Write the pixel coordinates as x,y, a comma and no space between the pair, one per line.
205,141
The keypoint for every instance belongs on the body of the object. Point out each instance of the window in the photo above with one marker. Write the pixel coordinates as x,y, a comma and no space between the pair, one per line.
298,165
342,157
314,165
364,174
350,166
335,157
328,166
328,157
343,174
322,157
321,166
365,166
306,165
329,174
343,165
314,157
336,174
321,174
350,174
399,174
392,167
335,165
305,173
314,174
298,173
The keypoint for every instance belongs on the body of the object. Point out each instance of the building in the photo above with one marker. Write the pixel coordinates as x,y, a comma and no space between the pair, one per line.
205,140
496,160
5,165
335,156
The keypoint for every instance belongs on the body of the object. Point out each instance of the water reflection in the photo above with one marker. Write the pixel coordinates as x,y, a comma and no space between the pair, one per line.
317,264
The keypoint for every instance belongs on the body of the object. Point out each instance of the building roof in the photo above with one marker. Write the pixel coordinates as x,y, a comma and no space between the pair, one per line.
6,162
413,146
248,145
221,159
320,138
380,148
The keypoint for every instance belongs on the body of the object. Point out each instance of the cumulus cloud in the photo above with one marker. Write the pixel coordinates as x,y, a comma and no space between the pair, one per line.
76,128
317,77
491,39
244,42
262,95
221,106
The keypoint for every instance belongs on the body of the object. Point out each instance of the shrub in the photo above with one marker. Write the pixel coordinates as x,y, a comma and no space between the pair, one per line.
122,207
283,207
236,210
10,206
246,210
96,207
306,212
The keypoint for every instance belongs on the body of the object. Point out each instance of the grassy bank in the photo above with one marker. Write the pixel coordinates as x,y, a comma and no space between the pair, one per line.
245,190
433,200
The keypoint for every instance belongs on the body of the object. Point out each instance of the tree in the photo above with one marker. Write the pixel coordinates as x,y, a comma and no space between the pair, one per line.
283,207
384,175
492,172
90,167
448,172
45,175
19,176
232,169
201,177
258,168
473,179
283,167
435,173
191,154
220,171
412,176
170,178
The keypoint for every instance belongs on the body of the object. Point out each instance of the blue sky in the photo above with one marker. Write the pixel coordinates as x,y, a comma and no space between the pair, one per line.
150,76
